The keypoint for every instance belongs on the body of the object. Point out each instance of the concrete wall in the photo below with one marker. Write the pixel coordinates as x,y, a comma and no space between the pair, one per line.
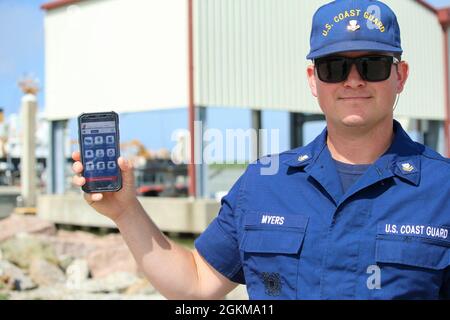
8,200
170,214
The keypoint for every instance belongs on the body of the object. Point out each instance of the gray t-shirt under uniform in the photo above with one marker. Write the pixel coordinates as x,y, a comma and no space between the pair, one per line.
350,173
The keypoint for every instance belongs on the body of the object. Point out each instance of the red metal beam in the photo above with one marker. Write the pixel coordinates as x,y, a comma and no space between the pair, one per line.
58,4
444,17
444,20
191,165
427,5
447,95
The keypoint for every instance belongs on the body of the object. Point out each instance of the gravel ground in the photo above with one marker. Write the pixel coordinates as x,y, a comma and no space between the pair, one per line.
61,293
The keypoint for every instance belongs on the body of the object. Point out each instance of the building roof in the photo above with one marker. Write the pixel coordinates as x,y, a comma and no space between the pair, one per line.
60,3
443,14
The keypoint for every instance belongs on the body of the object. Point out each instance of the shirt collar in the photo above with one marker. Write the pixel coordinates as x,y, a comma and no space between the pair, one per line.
304,156
402,159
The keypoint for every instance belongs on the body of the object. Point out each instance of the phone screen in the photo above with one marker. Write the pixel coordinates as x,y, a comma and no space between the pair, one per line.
100,149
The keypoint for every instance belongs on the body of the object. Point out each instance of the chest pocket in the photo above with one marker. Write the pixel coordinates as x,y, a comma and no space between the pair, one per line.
411,267
270,248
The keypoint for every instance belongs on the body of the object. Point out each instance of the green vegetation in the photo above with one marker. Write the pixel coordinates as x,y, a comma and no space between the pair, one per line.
4,296
97,231
223,166
186,240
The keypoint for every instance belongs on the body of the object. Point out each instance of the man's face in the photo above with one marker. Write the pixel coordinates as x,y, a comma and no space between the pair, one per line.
356,102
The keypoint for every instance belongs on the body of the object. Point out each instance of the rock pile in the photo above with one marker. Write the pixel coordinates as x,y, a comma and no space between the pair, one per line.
37,261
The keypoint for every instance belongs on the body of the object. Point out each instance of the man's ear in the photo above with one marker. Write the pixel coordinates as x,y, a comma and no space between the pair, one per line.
402,75
310,73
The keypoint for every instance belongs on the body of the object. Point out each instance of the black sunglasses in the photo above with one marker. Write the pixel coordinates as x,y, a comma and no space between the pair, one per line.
334,69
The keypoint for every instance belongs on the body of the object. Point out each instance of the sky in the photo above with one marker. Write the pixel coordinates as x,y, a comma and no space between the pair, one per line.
22,53
439,3
21,49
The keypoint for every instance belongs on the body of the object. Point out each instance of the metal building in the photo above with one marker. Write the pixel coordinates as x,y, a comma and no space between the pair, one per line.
141,55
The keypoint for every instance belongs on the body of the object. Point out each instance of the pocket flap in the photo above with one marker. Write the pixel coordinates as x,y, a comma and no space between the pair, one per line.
412,252
270,233
272,241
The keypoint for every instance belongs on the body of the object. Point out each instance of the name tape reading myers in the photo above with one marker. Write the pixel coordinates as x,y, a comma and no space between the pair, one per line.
430,232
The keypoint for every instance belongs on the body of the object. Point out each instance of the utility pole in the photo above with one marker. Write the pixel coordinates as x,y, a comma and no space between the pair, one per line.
28,151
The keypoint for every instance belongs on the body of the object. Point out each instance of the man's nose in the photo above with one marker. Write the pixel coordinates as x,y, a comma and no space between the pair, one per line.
354,79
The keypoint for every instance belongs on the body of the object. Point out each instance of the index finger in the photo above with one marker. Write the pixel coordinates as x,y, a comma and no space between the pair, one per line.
76,156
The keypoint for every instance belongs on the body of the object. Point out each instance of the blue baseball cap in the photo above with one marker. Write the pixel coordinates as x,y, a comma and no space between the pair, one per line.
354,25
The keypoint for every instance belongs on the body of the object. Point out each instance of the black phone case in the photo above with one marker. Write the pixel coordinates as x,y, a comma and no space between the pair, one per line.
116,116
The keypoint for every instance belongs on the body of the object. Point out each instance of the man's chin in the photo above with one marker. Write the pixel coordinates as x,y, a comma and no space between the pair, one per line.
354,121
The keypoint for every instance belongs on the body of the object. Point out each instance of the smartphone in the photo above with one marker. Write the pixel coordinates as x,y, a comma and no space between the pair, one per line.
98,136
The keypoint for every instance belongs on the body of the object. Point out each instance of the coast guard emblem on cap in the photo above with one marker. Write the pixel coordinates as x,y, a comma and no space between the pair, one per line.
407,167
272,283
353,25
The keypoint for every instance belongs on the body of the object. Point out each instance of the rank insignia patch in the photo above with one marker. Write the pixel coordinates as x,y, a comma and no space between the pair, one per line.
407,167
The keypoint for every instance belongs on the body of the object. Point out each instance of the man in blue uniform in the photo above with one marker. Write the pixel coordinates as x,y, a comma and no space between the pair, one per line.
362,212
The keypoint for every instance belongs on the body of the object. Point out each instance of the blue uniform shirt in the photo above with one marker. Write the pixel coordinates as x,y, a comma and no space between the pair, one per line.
296,234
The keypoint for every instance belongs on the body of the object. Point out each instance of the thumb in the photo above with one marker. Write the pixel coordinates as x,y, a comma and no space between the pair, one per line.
127,171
